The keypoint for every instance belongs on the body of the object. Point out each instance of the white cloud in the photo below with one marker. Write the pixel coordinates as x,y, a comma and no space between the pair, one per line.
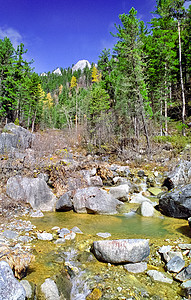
12,34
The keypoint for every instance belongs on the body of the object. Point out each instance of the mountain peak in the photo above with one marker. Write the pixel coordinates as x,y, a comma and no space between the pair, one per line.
81,64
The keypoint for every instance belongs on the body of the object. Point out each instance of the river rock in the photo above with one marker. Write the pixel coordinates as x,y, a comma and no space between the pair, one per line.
146,209
139,198
176,264
28,289
50,290
136,268
10,288
76,229
121,251
159,276
176,203
180,175
169,255
16,137
187,288
104,235
45,236
64,203
120,192
185,274
31,190
94,200
37,214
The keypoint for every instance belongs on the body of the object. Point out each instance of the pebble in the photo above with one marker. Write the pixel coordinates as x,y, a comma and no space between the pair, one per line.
103,234
45,236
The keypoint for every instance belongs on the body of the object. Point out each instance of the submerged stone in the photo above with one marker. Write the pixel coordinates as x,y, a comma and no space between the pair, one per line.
136,268
159,276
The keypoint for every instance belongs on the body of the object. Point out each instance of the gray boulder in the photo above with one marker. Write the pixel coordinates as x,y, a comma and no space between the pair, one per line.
120,192
176,203
16,137
94,201
10,288
64,203
180,175
121,251
34,191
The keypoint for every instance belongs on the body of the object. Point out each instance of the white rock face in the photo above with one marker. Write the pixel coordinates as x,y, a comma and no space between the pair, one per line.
43,74
57,71
81,64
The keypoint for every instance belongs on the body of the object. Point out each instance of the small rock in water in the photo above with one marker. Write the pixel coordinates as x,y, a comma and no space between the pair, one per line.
104,234
70,236
187,288
45,236
50,290
146,209
185,274
184,246
164,249
76,230
62,232
27,287
37,214
176,264
159,276
136,268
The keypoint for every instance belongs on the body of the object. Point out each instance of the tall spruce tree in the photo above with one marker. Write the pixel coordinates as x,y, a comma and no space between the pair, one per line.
130,90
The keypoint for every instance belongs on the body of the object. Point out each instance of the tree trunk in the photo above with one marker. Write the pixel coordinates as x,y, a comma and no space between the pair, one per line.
33,122
181,82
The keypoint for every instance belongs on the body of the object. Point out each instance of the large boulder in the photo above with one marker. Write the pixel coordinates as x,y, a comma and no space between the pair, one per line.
64,203
180,175
15,137
34,191
10,288
121,192
121,251
94,200
177,203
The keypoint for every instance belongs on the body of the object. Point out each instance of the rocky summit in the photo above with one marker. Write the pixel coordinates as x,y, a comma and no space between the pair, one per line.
81,64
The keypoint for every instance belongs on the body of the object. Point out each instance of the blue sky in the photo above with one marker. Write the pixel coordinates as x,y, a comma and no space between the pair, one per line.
58,33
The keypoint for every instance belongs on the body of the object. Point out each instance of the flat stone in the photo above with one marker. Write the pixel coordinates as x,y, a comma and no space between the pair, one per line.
136,268
185,274
103,234
176,264
164,249
169,255
76,230
184,246
159,276
45,236
154,191
37,214
9,234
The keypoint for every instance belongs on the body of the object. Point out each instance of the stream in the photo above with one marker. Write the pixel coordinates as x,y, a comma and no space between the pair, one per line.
89,274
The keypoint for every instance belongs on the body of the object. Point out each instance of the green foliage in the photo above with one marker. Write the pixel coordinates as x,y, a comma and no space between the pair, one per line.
178,142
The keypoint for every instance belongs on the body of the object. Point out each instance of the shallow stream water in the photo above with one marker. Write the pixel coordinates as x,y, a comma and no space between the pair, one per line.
117,282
